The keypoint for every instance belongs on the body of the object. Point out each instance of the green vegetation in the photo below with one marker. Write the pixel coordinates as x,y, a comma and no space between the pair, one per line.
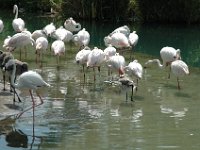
170,11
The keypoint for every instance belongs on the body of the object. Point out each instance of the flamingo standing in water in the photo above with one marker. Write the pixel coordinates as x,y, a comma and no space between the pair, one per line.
18,23
134,68
168,55
28,80
118,40
49,29
19,40
82,38
82,56
21,67
95,58
41,45
38,33
58,47
62,34
117,62
179,68
1,25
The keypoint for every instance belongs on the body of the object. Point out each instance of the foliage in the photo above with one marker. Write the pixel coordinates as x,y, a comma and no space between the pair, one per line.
116,10
170,10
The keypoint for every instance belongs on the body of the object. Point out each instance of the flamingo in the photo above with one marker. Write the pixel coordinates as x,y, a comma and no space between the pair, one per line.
71,25
1,25
134,68
95,58
41,44
82,38
110,51
18,24
30,80
58,47
4,57
117,62
21,67
118,40
179,68
82,56
38,33
133,38
123,29
19,40
168,55
6,41
49,29
62,34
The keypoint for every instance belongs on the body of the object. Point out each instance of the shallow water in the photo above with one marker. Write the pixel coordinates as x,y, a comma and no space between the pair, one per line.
82,113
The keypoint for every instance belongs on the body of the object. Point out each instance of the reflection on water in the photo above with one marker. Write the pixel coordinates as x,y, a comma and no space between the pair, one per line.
80,112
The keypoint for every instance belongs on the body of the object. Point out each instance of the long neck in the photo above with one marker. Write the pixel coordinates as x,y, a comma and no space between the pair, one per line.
159,64
16,11
13,76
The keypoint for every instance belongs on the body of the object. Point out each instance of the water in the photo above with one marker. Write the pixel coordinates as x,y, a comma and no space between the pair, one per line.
89,114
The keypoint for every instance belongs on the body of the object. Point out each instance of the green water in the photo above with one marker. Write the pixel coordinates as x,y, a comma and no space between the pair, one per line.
87,114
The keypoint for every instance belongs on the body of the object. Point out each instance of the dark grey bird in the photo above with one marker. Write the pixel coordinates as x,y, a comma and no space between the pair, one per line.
21,67
124,82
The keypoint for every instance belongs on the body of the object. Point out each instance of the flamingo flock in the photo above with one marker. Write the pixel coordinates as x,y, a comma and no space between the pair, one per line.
116,41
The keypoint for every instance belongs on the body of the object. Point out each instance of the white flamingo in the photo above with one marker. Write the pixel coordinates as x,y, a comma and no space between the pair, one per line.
110,51
62,34
123,29
179,68
58,47
82,38
38,33
49,29
133,38
19,40
117,62
82,56
168,55
1,25
28,80
18,23
95,58
134,68
6,41
41,45
118,40
71,25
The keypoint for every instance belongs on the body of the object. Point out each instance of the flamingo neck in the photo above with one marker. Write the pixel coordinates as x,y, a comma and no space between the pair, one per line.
13,75
16,12
161,66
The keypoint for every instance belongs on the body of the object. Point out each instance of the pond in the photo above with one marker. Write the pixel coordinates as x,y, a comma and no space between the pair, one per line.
82,113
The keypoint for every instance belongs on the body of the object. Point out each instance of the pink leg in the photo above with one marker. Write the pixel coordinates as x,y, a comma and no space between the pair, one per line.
33,106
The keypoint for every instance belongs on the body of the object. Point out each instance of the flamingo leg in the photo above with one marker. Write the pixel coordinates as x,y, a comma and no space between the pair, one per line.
41,102
4,81
178,83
